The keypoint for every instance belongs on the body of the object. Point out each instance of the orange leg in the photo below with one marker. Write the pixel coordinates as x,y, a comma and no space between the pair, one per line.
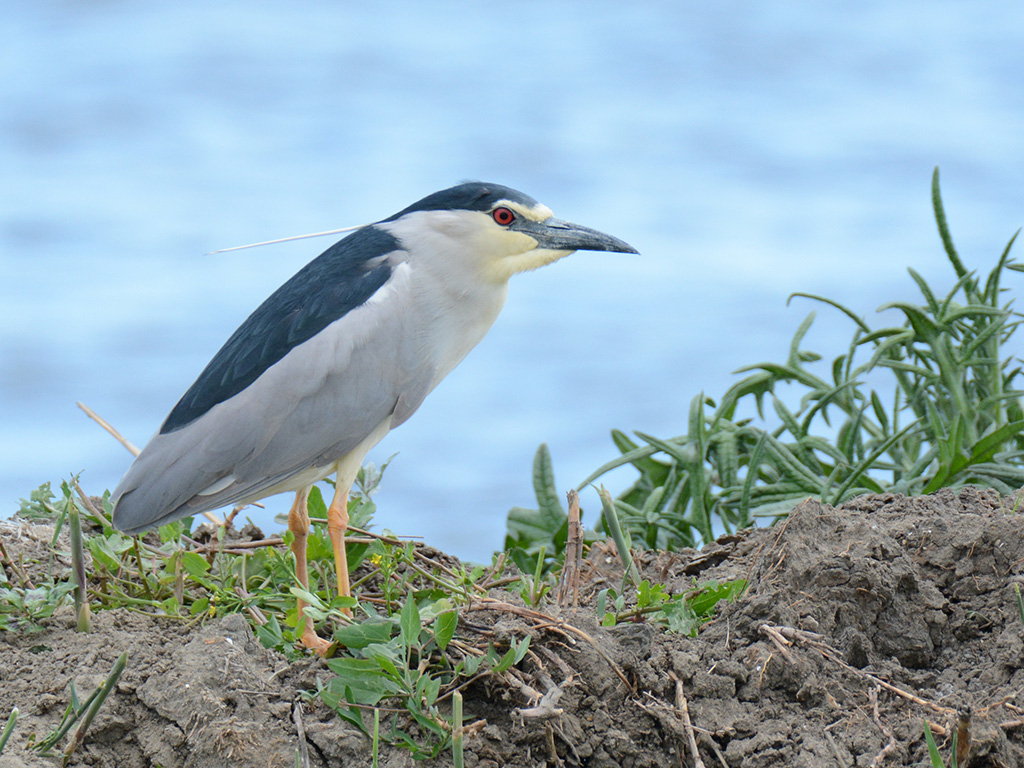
298,524
337,524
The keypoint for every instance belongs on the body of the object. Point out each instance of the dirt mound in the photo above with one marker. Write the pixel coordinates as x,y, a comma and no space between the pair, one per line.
858,623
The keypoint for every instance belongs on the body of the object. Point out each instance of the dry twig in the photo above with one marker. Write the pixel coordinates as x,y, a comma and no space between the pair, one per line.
684,714
303,761
963,736
886,731
778,641
545,708
6,559
813,640
543,621
570,579
128,444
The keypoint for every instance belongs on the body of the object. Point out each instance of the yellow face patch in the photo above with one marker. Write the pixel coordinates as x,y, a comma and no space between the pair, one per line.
475,243
521,251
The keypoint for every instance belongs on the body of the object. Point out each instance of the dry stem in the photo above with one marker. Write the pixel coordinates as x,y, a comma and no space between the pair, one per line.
684,714
810,639
570,580
543,621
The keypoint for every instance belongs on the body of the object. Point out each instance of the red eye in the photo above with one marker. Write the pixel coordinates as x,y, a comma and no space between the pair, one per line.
503,216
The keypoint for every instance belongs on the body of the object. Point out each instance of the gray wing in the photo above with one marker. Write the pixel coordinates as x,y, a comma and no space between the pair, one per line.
337,281
306,411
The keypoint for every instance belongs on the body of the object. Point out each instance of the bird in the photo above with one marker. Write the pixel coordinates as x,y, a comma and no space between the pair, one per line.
341,354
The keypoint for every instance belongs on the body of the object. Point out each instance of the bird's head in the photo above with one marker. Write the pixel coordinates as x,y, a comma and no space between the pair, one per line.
500,231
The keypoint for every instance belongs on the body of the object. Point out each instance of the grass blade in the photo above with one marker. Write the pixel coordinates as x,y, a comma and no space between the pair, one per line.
457,754
102,692
611,517
12,719
82,610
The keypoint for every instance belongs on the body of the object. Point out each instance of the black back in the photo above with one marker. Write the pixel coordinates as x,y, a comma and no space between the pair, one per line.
337,281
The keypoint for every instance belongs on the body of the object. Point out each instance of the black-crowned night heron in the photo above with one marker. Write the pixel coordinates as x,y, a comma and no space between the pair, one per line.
340,355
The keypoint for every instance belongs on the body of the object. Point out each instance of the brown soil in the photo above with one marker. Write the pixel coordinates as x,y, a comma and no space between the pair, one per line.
859,622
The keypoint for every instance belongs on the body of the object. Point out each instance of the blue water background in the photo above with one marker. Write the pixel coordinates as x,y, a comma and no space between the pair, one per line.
748,150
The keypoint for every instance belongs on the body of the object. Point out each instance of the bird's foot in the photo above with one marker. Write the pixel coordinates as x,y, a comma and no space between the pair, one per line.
315,643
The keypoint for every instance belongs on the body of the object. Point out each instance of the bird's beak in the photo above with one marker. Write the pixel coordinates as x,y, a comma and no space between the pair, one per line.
557,235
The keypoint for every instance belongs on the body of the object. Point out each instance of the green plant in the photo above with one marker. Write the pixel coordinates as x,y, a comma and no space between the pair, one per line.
907,408
610,516
83,612
12,719
457,751
178,577
38,505
405,657
538,535
684,613
82,713
934,756
412,660
22,609
534,587
25,605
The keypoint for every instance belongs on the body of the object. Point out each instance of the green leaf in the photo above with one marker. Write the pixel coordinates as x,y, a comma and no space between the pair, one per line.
711,593
428,688
985,448
410,623
622,541
471,664
358,681
385,657
940,220
654,471
199,606
533,527
444,628
195,565
521,648
798,337
171,531
522,560
352,715
315,504
922,324
270,634
39,505
849,313
108,550
933,751
357,636
631,457
880,414
515,654
544,485
681,618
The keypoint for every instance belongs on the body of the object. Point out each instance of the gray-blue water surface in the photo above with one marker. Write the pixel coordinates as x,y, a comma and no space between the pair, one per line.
748,150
